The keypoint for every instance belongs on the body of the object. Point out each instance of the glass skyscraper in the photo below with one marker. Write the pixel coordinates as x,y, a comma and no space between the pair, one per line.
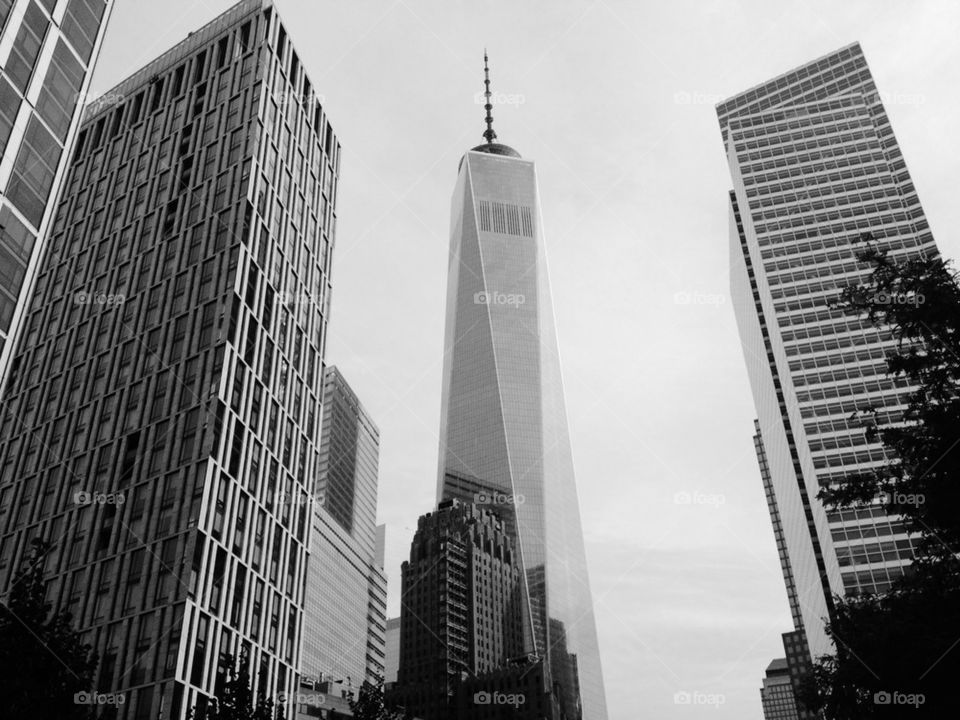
503,438
47,51
814,164
344,634
161,423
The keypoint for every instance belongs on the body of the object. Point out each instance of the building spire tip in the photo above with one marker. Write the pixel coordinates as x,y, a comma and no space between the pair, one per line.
488,134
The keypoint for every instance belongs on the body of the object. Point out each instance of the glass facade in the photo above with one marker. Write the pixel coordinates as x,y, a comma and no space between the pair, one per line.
814,164
161,424
504,440
47,49
345,616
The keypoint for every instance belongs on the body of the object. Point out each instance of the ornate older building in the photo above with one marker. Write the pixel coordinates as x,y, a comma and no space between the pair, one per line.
162,416
461,610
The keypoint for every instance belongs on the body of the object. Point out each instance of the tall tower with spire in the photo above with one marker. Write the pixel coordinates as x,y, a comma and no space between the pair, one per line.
504,440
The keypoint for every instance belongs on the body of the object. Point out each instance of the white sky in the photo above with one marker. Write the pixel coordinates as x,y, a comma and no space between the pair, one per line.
617,110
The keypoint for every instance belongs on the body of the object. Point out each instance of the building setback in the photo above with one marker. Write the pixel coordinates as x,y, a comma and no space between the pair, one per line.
161,423
798,658
47,51
345,616
815,164
777,693
461,609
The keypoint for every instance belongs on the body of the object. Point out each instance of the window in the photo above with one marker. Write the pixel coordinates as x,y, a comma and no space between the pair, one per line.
26,46
33,171
61,87
81,24
9,106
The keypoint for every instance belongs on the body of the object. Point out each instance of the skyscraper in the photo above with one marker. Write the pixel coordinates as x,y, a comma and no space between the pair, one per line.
345,611
161,423
777,693
392,663
46,55
461,614
503,436
814,164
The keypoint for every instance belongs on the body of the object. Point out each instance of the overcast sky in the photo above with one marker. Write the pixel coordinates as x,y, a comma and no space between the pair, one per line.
614,100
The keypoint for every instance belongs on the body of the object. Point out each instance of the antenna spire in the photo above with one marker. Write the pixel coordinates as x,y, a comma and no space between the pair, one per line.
488,134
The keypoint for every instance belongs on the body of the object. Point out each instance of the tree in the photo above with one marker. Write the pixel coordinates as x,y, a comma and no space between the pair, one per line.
46,669
370,703
236,700
918,300
898,654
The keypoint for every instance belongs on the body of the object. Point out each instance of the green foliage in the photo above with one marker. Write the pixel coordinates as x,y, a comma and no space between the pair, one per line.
44,664
898,655
919,301
371,705
236,700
